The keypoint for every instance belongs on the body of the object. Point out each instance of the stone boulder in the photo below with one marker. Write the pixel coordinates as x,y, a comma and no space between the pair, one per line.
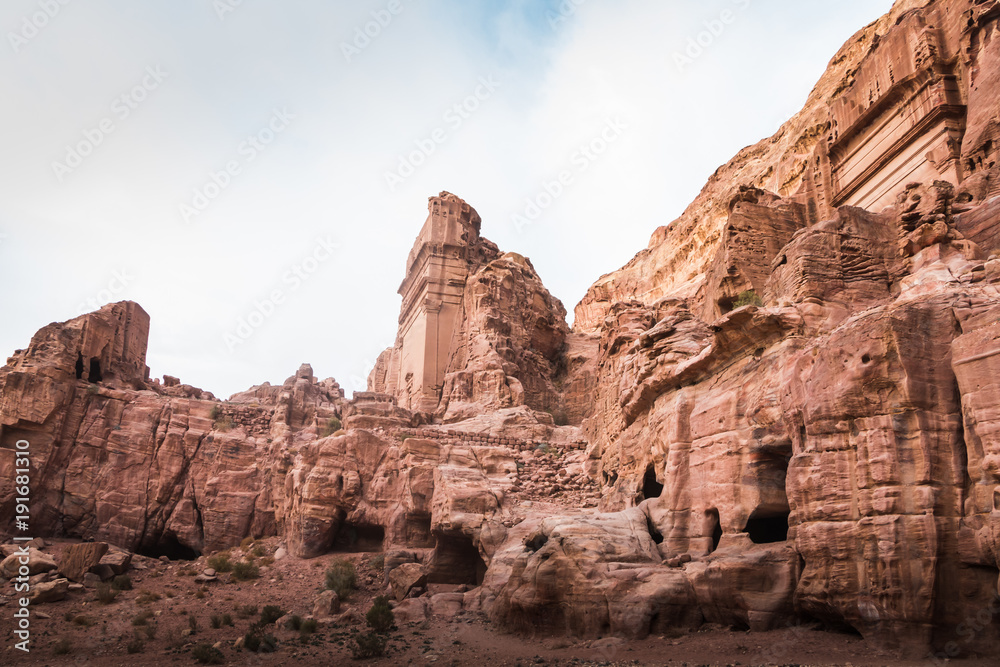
38,562
77,559
49,591
405,578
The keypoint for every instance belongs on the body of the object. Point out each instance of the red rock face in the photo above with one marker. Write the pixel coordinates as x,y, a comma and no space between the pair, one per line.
789,401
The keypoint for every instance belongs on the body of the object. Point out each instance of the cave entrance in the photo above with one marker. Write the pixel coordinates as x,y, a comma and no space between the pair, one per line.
359,538
650,487
95,370
79,366
456,560
169,546
767,528
715,527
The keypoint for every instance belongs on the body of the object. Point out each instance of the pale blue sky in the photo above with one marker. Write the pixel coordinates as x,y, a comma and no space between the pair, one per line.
114,227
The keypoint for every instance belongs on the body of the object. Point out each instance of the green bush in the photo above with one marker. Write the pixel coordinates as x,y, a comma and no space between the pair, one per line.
257,641
246,611
258,551
377,562
369,645
106,593
332,426
271,613
122,582
380,617
207,654
142,618
341,578
220,562
221,620
748,298
244,571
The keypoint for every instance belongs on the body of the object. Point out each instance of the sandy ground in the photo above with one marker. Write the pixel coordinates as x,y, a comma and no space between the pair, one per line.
81,631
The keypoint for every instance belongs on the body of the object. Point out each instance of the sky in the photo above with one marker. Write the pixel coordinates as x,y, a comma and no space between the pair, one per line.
254,172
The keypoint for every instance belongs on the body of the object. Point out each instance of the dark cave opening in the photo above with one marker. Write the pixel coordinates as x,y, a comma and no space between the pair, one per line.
359,538
95,370
653,531
768,529
170,547
650,487
713,519
79,366
456,560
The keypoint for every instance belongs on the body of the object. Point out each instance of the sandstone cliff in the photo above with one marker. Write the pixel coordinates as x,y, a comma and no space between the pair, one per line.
784,409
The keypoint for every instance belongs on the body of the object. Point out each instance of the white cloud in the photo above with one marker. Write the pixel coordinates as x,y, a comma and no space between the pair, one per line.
325,173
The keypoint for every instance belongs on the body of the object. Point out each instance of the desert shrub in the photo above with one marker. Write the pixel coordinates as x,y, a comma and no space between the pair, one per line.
271,613
246,611
68,616
245,544
560,418
122,582
748,298
62,647
145,597
214,414
377,562
135,646
85,621
106,593
244,571
380,617
309,626
258,641
200,594
368,645
341,578
258,551
207,654
142,618
220,562
150,631
267,560
221,620
332,426
193,624
294,622
223,424
93,390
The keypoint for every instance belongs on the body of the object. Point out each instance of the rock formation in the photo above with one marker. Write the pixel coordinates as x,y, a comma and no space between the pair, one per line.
784,410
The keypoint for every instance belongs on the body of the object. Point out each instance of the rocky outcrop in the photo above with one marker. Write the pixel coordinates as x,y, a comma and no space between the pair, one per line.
478,330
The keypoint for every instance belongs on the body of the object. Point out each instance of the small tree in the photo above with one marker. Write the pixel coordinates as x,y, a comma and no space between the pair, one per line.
341,578
380,617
